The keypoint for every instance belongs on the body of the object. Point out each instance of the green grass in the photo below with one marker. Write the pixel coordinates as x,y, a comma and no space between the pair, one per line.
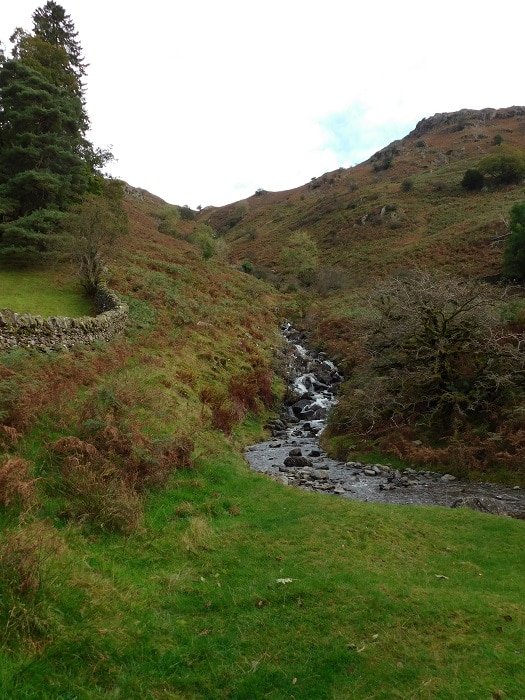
385,602
43,293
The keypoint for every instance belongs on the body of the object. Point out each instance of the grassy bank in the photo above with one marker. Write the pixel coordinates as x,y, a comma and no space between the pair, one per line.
129,570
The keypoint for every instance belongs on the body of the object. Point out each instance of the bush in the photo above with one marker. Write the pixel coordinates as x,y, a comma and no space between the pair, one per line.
204,238
473,179
247,267
514,258
437,359
384,164
187,214
301,257
497,140
504,168
407,185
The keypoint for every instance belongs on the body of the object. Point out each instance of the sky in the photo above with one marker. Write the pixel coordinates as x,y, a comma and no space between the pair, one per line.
205,101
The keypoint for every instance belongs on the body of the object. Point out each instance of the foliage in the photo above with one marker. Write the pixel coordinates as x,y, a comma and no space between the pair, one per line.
514,259
301,257
204,238
46,161
407,185
506,167
186,213
41,172
384,163
473,179
94,226
497,140
437,358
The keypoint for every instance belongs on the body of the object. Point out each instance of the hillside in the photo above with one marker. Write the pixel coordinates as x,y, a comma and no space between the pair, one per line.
368,226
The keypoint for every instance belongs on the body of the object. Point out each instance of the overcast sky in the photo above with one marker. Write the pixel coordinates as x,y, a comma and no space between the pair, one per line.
204,101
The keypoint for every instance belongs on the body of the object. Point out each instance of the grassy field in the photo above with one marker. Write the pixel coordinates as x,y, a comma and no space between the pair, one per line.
381,602
43,293
215,582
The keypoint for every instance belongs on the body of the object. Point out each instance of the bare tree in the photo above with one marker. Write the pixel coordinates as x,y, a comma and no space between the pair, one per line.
95,226
437,355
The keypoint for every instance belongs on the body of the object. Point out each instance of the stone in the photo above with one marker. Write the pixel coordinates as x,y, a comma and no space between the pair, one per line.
484,505
296,452
274,445
297,462
370,472
314,453
448,477
319,475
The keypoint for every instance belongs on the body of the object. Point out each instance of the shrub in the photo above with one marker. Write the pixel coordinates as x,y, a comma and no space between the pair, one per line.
421,144
473,179
384,164
301,257
247,267
514,258
187,214
204,238
407,185
497,140
504,168
437,359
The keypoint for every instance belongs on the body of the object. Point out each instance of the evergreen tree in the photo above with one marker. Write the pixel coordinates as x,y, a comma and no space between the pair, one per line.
54,26
514,261
41,168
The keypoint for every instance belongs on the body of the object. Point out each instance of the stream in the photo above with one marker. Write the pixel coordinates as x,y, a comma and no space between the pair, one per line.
294,456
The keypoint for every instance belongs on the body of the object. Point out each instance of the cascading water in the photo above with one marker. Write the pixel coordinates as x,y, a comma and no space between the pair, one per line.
294,456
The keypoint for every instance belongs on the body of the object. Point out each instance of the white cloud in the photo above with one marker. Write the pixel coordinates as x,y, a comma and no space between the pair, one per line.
205,101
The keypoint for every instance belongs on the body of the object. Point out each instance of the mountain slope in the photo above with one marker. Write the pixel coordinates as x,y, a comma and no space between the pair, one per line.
368,223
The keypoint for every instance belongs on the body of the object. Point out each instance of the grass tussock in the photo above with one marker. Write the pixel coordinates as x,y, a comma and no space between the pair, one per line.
27,556
199,535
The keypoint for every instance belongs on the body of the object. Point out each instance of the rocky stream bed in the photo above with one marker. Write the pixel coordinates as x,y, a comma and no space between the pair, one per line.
294,456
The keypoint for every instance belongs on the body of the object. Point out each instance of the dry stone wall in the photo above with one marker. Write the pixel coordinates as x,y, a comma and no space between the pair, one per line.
59,332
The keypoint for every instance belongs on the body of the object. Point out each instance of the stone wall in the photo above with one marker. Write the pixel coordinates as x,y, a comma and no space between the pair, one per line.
58,332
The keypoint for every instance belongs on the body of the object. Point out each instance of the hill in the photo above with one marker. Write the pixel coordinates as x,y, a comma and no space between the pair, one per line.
368,224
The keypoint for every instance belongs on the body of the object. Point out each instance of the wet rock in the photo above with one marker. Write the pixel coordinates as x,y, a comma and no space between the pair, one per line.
370,472
314,453
297,462
320,475
296,452
484,505
274,445
448,477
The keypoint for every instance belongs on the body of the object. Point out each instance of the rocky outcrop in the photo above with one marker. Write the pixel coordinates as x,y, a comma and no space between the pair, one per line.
463,118
60,332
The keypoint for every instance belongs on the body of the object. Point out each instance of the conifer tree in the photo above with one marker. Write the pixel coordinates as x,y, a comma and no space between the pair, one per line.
41,168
